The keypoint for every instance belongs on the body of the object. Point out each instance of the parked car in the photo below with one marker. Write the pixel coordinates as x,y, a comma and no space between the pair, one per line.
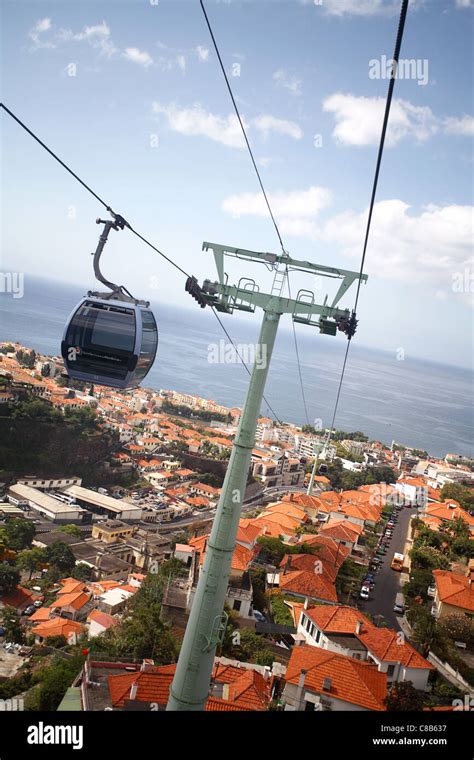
431,590
29,610
2,630
364,592
38,603
376,561
259,617
399,606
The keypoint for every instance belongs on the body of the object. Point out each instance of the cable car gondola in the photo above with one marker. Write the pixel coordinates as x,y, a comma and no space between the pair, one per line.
110,338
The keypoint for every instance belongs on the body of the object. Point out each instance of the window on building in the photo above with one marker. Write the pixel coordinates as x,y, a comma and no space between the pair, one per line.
309,706
237,605
390,671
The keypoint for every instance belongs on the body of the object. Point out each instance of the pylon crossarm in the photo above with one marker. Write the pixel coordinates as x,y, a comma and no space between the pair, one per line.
232,296
300,265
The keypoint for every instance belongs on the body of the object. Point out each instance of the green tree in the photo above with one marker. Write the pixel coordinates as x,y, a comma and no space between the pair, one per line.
462,494
19,533
426,632
11,622
82,572
280,611
252,648
403,697
53,681
429,558
142,633
31,559
71,530
458,628
60,556
9,578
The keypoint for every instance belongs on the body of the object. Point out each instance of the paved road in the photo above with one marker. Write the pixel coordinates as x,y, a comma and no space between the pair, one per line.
387,581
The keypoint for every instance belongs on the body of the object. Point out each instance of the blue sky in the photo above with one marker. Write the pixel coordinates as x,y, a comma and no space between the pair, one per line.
146,120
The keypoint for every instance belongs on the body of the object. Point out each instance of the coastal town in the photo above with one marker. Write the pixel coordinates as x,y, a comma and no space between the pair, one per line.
349,590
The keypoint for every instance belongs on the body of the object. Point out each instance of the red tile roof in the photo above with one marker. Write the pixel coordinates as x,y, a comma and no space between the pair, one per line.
245,689
102,618
57,626
352,681
454,589
19,598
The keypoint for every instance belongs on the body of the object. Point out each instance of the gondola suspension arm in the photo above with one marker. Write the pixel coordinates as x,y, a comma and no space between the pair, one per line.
117,291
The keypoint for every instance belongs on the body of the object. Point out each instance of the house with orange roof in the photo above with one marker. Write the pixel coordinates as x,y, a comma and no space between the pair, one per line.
360,513
454,594
247,533
71,585
306,583
287,508
343,531
345,630
239,591
73,605
330,553
276,525
40,615
98,622
208,492
318,680
19,598
312,505
58,626
233,688
447,510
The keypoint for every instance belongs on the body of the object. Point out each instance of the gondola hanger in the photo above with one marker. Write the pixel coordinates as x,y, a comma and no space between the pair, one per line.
111,338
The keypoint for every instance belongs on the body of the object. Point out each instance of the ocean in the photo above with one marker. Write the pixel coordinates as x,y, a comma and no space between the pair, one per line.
418,403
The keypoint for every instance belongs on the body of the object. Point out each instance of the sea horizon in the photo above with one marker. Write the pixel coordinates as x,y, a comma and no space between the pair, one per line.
417,402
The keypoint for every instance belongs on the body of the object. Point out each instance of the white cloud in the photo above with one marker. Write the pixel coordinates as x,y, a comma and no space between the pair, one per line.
363,7
357,7
138,56
432,247
359,120
202,53
461,126
36,34
464,3
197,121
181,61
267,123
98,36
285,80
295,211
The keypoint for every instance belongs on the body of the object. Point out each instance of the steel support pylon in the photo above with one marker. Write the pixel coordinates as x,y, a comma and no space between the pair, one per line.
206,624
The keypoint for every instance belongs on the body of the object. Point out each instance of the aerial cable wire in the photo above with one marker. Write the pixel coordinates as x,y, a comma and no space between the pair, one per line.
135,232
260,181
396,55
